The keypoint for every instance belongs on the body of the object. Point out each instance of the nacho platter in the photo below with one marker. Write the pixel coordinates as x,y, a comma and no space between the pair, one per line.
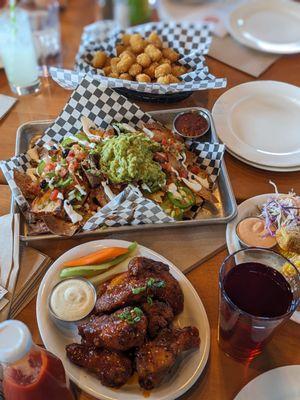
220,213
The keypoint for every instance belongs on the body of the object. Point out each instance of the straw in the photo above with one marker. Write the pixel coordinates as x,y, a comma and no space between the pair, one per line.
12,14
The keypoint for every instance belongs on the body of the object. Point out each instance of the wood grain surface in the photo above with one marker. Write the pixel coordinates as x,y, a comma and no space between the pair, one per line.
223,377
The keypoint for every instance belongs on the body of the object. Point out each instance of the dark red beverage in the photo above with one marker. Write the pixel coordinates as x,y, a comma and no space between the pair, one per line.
253,300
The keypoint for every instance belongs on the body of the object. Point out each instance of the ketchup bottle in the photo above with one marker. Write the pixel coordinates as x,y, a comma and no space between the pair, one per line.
29,372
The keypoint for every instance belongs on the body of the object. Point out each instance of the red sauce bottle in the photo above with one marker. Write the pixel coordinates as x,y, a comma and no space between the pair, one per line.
29,372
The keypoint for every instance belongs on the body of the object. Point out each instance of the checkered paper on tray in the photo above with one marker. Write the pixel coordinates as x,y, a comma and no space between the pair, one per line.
103,106
129,207
192,41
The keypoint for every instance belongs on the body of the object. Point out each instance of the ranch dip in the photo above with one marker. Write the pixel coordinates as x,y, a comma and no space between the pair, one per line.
72,299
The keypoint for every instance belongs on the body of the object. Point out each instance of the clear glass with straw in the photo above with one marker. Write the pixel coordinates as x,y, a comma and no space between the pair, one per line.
17,51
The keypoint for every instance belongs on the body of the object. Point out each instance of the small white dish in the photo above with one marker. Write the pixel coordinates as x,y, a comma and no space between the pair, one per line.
248,208
259,121
281,383
272,26
190,367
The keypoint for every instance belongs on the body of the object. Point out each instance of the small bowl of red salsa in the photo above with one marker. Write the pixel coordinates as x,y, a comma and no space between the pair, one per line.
191,124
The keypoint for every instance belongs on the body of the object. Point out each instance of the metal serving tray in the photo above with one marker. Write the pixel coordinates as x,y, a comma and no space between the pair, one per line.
221,214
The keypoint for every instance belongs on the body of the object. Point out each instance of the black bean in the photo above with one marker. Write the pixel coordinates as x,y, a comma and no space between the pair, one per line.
43,184
96,201
65,152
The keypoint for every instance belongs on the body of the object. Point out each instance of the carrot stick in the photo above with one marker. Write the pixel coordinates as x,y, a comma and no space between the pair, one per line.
100,256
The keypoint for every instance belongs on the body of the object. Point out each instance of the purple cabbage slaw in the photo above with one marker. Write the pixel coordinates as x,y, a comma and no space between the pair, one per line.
281,211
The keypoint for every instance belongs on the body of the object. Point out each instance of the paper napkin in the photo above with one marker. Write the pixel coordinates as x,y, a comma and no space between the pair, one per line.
6,103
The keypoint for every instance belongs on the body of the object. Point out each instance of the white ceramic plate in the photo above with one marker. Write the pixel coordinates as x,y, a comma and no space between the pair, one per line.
189,369
259,121
265,168
271,26
248,208
278,384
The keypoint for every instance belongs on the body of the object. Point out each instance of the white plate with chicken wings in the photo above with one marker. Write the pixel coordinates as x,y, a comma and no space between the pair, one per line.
189,364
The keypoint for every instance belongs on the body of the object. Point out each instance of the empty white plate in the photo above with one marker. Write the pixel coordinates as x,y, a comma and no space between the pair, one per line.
260,122
269,25
274,169
281,383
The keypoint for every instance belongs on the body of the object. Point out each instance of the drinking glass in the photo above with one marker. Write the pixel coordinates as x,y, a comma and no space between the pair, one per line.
18,53
44,21
243,334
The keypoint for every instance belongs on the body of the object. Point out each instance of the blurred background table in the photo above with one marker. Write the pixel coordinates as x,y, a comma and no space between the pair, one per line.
223,377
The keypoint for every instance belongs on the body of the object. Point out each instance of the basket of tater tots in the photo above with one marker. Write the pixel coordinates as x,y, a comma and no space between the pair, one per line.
155,61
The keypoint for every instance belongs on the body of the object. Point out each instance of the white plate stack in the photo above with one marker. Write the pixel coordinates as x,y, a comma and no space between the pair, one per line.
260,124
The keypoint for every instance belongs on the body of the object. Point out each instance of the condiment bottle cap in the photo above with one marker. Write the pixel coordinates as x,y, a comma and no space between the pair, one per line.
15,341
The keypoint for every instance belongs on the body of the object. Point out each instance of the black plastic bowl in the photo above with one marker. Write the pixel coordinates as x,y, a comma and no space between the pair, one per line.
153,97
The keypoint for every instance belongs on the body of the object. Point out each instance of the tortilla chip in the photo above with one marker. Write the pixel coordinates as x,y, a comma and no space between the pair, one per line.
59,226
43,205
28,187
37,228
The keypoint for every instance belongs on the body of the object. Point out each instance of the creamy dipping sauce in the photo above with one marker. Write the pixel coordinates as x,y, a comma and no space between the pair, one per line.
72,299
251,231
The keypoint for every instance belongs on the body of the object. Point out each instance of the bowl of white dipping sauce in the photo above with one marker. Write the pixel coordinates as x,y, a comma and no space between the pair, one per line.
70,301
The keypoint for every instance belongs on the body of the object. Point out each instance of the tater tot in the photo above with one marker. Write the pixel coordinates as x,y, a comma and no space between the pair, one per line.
162,70
164,61
137,43
113,75
99,59
167,79
154,53
120,48
144,60
126,39
107,62
113,63
143,78
173,79
171,54
151,70
153,38
135,69
124,64
128,53
107,70
178,70
126,76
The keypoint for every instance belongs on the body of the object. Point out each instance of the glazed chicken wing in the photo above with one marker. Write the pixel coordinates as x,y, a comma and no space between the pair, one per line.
112,368
159,316
155,359
145,277
122,330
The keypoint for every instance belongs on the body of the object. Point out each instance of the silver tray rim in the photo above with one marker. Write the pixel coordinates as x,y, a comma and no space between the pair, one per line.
132,228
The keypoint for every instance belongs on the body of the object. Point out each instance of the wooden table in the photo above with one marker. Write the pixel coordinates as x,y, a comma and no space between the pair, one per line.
223,377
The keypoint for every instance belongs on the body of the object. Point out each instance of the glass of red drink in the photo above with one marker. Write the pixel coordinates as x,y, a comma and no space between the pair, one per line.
259,291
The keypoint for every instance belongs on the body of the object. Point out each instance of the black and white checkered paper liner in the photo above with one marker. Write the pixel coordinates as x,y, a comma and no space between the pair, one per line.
190,40
210,156
130,207
103,106
100,104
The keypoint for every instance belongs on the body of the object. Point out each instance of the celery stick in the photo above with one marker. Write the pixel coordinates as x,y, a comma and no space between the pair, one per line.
118,269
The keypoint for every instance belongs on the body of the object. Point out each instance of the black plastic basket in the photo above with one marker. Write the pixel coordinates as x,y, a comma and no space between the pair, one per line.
153,97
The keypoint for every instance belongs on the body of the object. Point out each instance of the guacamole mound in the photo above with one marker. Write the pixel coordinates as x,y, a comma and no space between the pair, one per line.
129,158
